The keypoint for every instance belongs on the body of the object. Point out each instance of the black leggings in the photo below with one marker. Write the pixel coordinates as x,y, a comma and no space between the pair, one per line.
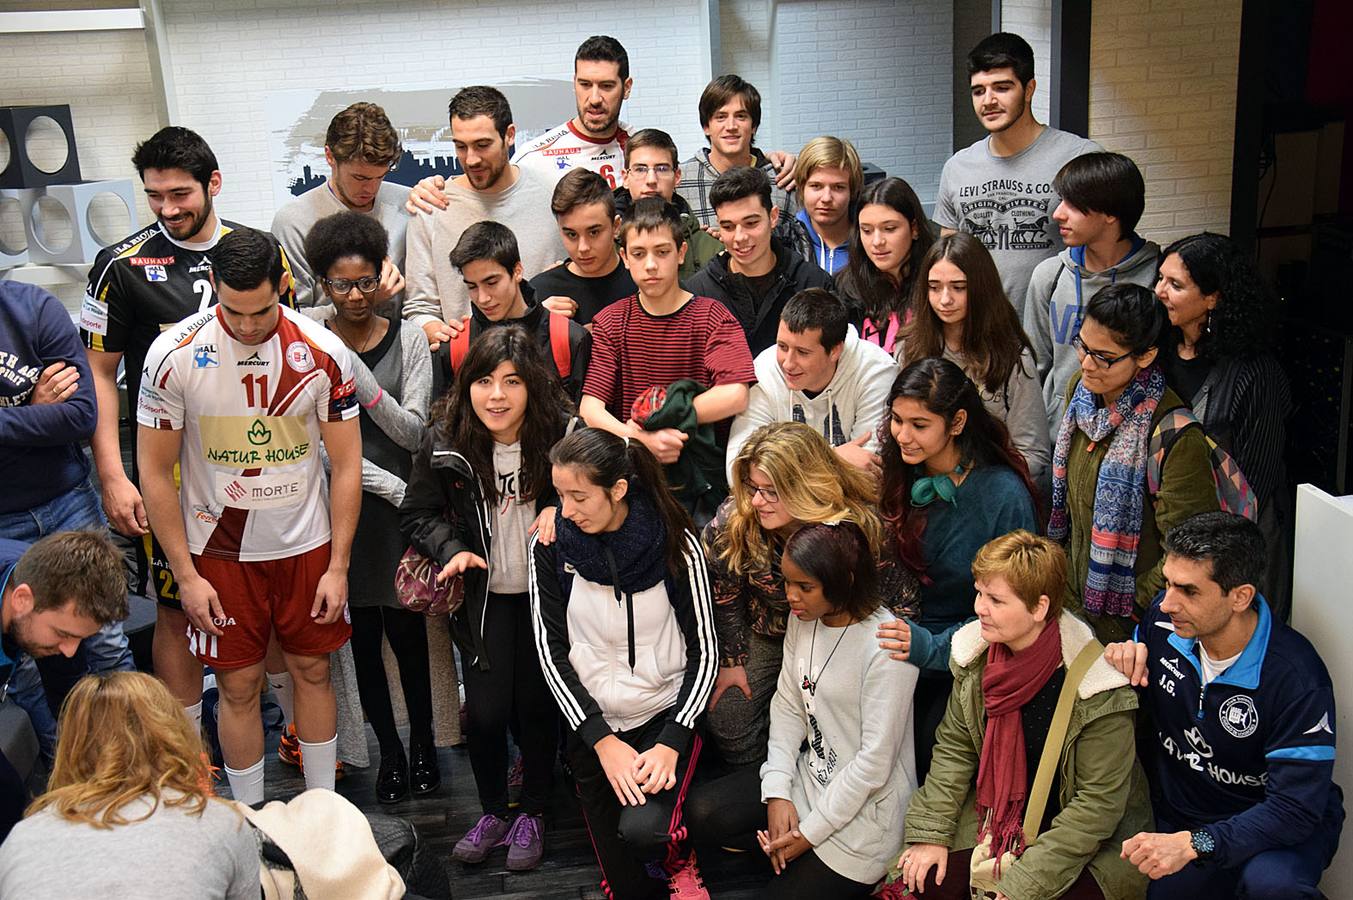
727,811
407,633
511,694
637,847
809,878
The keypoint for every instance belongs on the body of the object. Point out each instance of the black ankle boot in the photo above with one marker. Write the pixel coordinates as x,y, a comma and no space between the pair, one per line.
392,781
424,775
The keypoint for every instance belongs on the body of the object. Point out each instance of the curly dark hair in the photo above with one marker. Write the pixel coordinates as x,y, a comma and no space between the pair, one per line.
1245,317
345,234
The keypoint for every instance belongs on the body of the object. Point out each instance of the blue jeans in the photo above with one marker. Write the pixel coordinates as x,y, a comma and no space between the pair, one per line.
102,652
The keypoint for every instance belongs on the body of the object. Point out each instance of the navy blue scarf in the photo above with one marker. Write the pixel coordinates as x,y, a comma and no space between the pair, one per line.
631,559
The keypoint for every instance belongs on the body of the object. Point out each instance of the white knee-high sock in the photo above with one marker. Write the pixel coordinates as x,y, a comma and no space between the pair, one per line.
246,785
194,714
280,682
319,762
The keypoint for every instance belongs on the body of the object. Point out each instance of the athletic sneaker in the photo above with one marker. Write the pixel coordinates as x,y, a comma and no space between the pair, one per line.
289,752
289,747
525,843
686,883
488,833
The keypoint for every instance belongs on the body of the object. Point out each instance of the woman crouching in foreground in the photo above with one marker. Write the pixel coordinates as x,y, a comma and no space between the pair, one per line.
1010,668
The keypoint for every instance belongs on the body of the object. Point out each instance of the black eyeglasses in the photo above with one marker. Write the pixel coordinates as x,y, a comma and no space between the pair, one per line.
770,494
662,170
367,284
1102,360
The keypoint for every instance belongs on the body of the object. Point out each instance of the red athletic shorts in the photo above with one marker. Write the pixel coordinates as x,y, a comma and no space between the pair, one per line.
263,597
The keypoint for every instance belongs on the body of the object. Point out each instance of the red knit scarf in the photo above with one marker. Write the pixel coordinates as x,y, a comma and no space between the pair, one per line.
1010,681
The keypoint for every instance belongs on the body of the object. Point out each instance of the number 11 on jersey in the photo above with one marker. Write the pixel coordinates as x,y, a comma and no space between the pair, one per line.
252,382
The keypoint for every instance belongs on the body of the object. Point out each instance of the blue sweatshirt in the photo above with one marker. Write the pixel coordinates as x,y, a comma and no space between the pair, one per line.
10,654
829,259
40,446
1250,756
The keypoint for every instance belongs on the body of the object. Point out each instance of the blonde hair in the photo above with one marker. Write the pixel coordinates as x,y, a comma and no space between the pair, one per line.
123,737
815,485
1033,566
833,153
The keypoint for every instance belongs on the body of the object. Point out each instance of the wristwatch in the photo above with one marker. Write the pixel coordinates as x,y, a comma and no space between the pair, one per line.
1204,844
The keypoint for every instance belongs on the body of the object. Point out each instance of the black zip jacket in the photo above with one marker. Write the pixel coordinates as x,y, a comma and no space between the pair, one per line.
759,322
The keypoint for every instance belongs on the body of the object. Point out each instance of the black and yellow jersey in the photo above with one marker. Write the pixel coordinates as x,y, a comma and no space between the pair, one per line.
145,284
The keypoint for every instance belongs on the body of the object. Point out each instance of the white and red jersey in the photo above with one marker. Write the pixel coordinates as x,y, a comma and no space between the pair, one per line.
252,483
560,149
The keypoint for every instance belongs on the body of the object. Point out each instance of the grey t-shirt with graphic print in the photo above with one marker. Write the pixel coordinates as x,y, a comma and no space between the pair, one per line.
512,519
1007,202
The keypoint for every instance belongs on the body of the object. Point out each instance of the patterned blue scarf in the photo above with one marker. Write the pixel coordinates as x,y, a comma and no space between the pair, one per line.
1116,526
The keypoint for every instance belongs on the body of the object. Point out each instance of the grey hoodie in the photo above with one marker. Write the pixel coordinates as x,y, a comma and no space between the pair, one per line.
1059,290
852,404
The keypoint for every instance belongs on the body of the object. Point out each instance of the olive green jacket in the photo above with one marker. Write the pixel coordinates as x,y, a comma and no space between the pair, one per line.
1102,798
1186,488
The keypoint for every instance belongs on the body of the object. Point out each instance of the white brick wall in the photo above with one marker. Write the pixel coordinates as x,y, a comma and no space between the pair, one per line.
873,71
228,55
1162,91
745,44
1032,20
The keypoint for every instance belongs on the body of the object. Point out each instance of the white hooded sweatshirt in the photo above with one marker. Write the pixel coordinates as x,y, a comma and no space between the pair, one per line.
852,404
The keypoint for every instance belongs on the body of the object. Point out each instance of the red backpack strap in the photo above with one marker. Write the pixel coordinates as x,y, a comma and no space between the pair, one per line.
460,345
559,348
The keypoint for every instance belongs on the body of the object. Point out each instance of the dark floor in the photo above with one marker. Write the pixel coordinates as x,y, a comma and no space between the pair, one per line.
569,871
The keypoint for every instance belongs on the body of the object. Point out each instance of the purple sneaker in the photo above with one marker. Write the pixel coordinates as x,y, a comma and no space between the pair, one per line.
489,832
525,843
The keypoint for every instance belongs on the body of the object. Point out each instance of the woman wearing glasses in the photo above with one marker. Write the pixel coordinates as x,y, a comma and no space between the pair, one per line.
1102,509
952,481
394,385
784,477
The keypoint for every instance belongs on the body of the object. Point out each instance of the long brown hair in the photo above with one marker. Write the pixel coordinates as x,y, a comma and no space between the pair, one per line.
993,339
124,737
547,409
876,293
943,389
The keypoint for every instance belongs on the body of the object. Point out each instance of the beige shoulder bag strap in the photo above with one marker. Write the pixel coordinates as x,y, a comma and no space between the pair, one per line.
1052,749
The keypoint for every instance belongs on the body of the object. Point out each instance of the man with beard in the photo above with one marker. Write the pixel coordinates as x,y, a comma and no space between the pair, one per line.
137,288
595,138
490,188
53,594
1000,189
